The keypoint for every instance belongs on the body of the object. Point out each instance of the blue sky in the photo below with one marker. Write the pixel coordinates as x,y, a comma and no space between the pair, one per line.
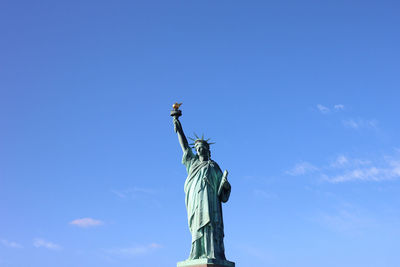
301,98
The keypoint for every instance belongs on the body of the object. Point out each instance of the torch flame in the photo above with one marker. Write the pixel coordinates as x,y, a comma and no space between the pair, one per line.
176,106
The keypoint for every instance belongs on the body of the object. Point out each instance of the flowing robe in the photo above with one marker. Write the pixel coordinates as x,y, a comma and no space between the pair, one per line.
203,206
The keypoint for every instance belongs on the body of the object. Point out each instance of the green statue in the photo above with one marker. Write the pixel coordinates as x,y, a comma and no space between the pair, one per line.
206,186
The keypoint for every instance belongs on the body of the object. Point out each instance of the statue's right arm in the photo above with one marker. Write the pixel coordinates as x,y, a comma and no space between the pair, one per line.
181,135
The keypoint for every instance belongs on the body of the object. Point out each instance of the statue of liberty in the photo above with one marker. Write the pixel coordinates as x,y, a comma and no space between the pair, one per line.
206,186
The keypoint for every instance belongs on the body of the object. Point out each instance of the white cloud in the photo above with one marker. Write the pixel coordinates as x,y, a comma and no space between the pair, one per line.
338,107
133,192
119,193
359,162
367,174
360,124
135,250
340,162
390,171
395,167
323,109
345,169
86,222
38,243
351,124
301,169
263,194
10,244
147,196
346,218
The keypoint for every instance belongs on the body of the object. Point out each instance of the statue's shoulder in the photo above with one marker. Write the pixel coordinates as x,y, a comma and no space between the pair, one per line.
215,164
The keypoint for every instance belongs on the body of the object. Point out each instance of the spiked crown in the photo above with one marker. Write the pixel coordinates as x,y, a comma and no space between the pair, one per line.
199,140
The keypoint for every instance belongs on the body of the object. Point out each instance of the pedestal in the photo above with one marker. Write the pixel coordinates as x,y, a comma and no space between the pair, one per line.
206,263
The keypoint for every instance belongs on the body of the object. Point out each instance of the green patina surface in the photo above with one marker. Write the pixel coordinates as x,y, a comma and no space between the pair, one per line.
206,187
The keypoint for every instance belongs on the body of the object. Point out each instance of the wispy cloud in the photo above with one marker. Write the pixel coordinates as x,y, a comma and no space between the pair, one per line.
147,196
119,193
390,171
345,218
86,222
38,243
338,107
301,169
133,192
351,123
345,169
258,193
135,250
10,244
360,124
323,109
340,161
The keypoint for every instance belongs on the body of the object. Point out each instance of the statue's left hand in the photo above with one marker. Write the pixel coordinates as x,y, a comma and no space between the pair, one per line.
227,185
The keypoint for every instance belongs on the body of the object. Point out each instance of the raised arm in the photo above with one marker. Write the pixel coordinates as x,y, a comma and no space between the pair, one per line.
181,136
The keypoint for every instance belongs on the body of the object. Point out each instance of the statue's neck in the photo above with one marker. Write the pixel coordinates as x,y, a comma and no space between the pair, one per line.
203,158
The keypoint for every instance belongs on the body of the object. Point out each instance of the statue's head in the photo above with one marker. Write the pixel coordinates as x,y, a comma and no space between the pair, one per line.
202,146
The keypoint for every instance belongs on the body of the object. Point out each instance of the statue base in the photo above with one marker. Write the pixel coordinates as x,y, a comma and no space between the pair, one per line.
206,263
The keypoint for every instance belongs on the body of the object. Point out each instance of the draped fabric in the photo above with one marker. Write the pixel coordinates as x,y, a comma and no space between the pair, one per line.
204,206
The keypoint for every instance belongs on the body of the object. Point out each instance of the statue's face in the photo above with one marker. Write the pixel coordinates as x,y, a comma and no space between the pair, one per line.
202,150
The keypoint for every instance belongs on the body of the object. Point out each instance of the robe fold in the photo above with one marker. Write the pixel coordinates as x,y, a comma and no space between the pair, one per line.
203,206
